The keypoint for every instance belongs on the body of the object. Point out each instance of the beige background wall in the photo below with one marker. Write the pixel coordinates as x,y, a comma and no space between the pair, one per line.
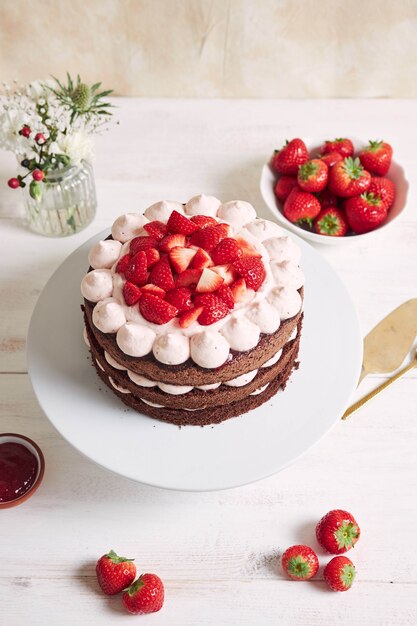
215,48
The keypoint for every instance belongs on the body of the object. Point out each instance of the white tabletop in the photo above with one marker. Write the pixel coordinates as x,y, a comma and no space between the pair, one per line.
216,552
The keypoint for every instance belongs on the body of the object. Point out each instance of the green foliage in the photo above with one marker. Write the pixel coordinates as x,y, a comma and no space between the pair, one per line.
81,99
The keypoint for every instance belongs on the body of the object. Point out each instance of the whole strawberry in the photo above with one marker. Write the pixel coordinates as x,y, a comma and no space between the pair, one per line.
331,158
301,207
341,145
337,531
384,188
284,186
332,222
376,157
145,595
365,212
115,573
300,562
348,178
312,176
339,573
290,157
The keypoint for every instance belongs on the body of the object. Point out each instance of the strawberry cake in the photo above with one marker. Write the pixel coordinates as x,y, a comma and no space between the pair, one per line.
193,312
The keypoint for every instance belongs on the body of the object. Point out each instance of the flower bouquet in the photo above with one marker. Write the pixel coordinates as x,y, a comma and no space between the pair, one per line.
49,126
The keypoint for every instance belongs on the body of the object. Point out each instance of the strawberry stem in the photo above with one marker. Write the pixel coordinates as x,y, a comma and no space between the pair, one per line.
115,558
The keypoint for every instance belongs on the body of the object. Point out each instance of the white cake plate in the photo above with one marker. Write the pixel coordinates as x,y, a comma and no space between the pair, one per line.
236,452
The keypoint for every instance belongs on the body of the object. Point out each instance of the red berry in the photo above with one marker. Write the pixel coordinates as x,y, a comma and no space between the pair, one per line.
348,178
206,238
213,312
180,297
226,251
312,176
25,131
178,223
384,188
154,290
161,275
114,573
156,310
206,299
339,573
203,221
225,293
136,273
332,222
284,186
341,145
188,278
13,183
331,158
145,595
246,248
252,270
131,293
40,138
142,243
152,256
376,157
337,531
123,264
365,212
300,562
189,317
290,157
201,260
172,241
301,207
156,229
38,175
223,229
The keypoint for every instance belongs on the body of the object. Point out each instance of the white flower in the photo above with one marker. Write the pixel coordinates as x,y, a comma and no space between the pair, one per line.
11,121
78,146
38,89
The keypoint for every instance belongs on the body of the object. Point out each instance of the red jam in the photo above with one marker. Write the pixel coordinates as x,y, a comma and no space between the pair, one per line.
18,470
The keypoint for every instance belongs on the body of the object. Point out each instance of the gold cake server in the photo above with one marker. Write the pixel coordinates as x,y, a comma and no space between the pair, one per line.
386,346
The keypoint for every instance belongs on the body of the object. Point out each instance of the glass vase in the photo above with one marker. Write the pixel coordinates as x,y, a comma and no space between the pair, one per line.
67,204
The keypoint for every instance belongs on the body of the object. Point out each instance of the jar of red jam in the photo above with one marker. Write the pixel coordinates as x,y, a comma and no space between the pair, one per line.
21,468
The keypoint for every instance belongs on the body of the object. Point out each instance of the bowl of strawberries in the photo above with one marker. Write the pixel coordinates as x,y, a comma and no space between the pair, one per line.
335,191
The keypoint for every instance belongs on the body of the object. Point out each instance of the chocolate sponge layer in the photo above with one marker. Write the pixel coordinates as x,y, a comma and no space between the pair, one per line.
189,373
211,415
197,398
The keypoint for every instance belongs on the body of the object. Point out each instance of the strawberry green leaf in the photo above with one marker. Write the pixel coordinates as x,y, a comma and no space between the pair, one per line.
307,170
347,575
299,567
134,587
353,167
346,535
115,558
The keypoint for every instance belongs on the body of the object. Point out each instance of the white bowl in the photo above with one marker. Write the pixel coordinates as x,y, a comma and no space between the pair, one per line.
269,178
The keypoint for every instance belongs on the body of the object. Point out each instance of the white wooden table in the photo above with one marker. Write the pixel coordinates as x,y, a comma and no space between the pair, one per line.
216,552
